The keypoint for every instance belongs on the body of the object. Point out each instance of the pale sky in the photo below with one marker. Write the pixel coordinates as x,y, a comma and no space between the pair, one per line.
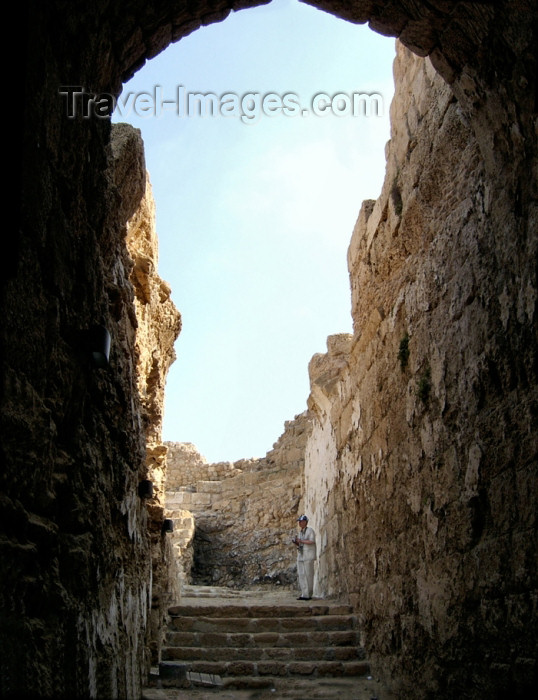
254,215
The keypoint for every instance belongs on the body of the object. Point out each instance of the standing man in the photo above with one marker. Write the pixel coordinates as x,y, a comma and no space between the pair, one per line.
306,556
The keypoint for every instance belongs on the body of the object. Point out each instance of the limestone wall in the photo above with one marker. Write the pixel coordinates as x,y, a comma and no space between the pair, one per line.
243,513
187,466
421,466
158,324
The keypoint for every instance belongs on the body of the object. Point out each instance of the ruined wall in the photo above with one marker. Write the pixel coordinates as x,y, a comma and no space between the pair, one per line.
81,623
158,324
75,550
421,470
186,466
235,528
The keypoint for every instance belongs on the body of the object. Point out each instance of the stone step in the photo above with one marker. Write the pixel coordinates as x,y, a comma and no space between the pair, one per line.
233,610
220,592
255,625
242,644
247,682
263,653
221,670
328,638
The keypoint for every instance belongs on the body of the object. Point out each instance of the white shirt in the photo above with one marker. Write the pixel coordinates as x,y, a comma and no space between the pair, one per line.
308,552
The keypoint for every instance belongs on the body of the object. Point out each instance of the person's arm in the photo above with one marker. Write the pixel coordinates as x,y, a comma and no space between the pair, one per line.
305,541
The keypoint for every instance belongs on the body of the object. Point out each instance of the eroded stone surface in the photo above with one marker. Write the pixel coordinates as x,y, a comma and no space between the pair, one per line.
158,324
419,433
243,513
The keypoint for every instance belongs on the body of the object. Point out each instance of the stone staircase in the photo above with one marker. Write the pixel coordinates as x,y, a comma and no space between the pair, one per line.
248,644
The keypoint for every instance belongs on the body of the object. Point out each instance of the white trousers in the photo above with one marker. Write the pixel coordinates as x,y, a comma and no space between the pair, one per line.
305,574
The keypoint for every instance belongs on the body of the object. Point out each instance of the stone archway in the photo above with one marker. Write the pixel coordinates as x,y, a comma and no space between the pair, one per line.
76,572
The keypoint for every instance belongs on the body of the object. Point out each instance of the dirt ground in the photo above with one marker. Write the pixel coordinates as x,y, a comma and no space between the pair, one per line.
319,689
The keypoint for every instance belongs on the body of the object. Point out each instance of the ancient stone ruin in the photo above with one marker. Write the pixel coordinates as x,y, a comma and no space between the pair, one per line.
419,464
235,520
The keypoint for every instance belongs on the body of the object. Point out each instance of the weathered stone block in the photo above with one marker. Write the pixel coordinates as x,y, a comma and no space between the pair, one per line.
200,499
271,668
302,668
241,668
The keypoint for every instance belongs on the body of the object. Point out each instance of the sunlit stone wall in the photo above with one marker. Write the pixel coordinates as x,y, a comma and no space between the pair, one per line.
421,470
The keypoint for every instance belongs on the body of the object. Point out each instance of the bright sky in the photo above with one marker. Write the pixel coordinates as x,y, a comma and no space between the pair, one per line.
254,216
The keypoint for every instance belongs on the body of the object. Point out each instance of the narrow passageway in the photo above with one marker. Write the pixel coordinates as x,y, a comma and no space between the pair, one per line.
419,471
261,643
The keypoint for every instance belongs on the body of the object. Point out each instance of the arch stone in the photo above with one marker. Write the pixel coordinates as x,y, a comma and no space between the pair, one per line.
451,33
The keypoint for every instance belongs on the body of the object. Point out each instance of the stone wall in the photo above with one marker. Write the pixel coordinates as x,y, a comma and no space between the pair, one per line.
75,547
421,470
99,543
158,324
186,466
243,515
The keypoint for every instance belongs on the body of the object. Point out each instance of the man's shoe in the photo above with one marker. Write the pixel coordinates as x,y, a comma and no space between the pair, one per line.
301,598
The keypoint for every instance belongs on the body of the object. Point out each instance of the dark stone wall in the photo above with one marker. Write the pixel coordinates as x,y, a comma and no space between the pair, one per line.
75,553
75,567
